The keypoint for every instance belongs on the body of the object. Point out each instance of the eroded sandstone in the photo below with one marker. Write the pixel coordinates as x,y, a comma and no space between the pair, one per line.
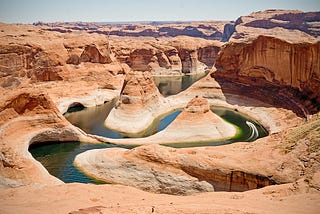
27,118
273,64
139,100
43,75
227,168
196,123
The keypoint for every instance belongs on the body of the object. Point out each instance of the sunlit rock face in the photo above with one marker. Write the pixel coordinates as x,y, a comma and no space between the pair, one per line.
138,104
138,89
120,166
293,64
92,54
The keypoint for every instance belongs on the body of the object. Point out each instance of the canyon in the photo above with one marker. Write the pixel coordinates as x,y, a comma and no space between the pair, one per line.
265,65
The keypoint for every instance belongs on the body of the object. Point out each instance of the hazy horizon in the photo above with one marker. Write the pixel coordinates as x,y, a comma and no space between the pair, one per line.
23,11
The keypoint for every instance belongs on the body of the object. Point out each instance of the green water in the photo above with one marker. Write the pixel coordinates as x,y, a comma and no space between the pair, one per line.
248,129
58,159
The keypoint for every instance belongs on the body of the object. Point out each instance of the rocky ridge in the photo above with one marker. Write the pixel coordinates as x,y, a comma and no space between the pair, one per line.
274,22
207,30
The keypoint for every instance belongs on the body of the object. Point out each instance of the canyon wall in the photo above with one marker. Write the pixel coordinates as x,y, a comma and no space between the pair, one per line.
60,56
27,61
166,56
274,61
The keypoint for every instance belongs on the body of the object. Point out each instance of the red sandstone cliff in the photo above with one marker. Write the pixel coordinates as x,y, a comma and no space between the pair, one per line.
272,60
276,50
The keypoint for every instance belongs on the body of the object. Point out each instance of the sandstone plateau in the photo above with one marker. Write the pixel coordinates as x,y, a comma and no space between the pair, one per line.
264,65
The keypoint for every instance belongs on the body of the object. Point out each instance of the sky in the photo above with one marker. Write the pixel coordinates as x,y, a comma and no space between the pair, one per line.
29,11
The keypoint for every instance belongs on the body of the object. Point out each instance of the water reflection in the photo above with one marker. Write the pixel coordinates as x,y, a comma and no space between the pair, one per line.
171,85
91,120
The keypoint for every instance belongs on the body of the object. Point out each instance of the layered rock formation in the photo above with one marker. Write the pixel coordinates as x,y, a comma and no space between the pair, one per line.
139,101
270,62
196,124
167,56
285,57
61,56
206,29
38,65
38,57
272,22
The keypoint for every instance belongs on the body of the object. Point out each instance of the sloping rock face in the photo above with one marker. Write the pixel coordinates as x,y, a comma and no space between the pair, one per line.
92,54
109,166
138,89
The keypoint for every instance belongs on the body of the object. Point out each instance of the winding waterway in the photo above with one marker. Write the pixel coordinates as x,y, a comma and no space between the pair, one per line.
58,157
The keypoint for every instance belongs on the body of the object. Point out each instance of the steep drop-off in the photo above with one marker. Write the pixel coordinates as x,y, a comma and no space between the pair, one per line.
268,61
